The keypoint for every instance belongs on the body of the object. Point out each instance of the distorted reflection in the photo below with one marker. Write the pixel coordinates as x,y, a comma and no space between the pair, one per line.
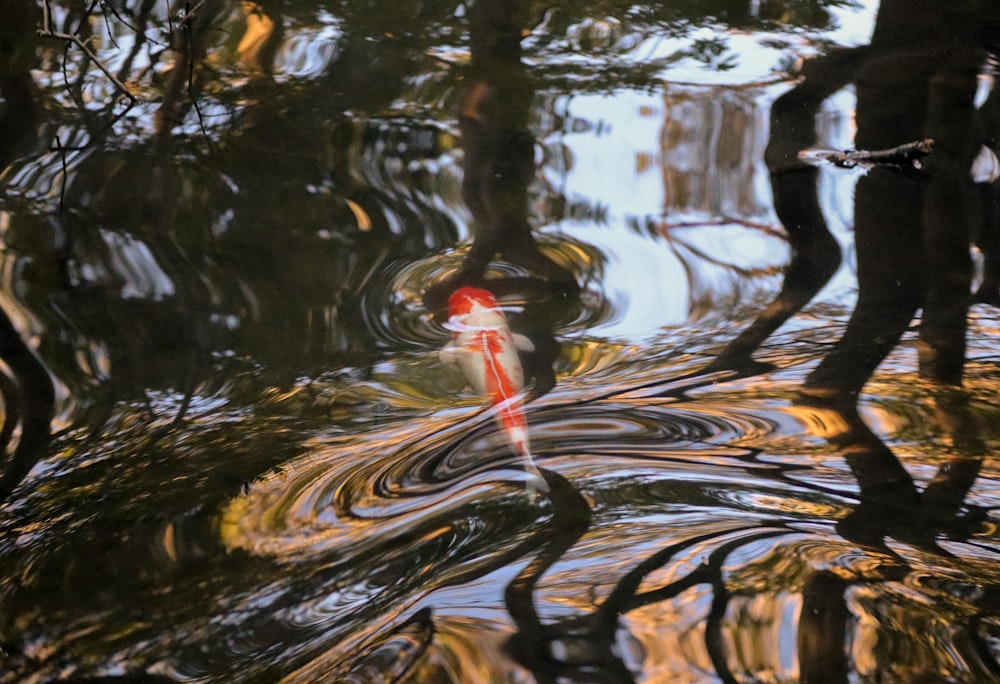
914,226
21,113
499,165
914,230
268,474
28,399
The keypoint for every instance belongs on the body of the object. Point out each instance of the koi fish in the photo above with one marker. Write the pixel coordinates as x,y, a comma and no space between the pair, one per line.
486,350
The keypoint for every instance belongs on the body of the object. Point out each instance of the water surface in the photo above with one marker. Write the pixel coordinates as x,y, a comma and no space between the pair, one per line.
762,390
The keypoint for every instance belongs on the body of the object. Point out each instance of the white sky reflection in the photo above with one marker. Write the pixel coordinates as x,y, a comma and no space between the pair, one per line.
694,154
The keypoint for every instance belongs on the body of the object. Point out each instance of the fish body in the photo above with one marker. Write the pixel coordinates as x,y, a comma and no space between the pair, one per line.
486,350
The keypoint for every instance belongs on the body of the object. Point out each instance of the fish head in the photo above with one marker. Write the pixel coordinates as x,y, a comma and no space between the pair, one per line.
473,312
466,300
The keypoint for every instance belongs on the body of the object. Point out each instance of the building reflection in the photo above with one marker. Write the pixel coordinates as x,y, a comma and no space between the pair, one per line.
711,142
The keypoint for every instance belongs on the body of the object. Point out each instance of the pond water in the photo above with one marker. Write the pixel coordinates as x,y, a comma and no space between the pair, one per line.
762,378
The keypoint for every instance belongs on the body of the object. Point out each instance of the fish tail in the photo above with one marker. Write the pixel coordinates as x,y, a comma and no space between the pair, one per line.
536,481
514,425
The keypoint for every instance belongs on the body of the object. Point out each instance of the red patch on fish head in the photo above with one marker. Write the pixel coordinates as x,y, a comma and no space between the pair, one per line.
464,298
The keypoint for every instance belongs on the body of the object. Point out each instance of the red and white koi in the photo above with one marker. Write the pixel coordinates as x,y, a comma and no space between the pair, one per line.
486,350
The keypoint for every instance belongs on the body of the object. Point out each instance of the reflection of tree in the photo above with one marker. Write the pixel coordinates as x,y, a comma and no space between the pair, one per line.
584,649
498,167
28,397
913,231
607,31
916,80
593,645
190,181
21,110
237,236
815,252
164,252
499,150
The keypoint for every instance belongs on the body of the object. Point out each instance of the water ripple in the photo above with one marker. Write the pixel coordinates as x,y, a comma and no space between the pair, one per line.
397,311
424,469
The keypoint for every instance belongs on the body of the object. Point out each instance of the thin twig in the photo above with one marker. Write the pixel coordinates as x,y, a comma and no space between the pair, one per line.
721,222
190,84
47,32
111,34
140,33
906,155
63,173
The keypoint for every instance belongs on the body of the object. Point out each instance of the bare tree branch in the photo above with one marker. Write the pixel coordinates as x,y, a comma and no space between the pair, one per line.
907,155
47,32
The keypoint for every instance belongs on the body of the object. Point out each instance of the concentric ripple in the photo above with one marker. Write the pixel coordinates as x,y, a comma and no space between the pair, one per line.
365,486
398,315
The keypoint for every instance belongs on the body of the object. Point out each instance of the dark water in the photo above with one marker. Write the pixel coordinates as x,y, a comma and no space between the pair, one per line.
763,387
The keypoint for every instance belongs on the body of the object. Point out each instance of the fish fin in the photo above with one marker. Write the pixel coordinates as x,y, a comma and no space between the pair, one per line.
535,484
449,355
522,342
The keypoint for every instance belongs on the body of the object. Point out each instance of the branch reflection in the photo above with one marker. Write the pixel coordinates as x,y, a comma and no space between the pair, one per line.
28,400
914,228
498,168
367,546
22,112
